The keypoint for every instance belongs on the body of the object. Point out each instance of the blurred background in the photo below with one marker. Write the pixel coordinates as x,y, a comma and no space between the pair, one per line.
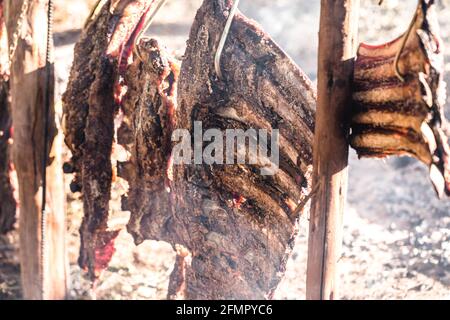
397,233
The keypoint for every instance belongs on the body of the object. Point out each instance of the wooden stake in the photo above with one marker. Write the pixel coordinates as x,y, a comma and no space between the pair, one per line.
27,105
337,49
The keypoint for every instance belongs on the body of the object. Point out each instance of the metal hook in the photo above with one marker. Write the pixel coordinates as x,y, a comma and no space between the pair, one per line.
94,11
305,201
224,37
146,26
404,41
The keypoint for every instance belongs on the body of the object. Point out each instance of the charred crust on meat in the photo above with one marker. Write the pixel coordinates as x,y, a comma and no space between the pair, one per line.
7,202
90,105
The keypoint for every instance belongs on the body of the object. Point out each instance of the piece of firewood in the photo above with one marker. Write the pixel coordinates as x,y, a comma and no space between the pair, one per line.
395,117
28,85
337,50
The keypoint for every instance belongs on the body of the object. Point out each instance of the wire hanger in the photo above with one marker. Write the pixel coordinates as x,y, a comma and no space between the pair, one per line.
404,41
405,38
223,39
150,20
146,27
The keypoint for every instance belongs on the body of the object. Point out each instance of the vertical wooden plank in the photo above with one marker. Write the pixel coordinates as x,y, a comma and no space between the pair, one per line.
337,50
27,105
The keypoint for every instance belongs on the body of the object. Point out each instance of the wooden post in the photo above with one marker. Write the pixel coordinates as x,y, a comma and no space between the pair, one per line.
337,50
27,105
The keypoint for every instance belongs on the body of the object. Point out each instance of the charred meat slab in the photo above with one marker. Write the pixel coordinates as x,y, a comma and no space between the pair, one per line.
89,124
90,106
146,130
7,201
395,117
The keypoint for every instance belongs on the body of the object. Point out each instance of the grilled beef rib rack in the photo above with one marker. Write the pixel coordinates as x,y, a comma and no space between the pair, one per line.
395,117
